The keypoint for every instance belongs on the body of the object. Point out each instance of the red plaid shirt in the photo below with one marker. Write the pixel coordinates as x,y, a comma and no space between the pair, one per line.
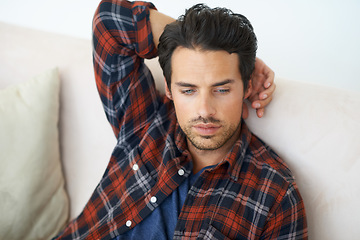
251,194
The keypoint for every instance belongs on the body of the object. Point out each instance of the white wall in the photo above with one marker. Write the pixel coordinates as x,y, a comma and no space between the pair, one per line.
305,40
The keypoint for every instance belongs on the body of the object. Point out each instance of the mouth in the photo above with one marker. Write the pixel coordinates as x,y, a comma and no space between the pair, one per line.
206,129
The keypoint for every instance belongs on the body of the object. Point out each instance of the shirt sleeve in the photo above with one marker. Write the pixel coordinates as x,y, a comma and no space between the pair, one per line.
122,38
288,220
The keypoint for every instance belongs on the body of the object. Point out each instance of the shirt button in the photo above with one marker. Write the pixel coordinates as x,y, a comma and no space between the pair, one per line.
181,172
128,223
153,199
135,167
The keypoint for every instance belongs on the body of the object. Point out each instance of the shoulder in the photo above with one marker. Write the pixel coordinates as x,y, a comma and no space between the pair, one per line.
265,166
268,179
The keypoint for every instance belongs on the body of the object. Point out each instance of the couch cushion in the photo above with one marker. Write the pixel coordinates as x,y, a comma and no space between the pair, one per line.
33,202
316,130
86,137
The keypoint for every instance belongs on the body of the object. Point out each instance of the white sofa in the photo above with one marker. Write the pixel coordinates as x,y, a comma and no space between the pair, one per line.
316,129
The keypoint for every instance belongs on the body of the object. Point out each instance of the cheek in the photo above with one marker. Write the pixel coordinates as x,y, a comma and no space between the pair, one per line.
233,112
182,110
232,109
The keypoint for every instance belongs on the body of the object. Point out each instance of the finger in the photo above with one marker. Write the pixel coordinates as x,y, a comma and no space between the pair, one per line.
270,76
260,112
245,111
267,92
269,80
261,103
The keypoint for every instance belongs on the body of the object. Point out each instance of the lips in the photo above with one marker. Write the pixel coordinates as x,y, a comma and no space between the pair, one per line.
206,129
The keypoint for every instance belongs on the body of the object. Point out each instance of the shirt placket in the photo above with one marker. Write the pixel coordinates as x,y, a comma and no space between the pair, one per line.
154,198
185,226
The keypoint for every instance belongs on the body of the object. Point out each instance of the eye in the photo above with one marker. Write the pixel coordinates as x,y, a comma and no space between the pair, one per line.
187,91
222,90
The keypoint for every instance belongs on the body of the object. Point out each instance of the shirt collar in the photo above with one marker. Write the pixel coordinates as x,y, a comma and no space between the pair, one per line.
236,156
180,139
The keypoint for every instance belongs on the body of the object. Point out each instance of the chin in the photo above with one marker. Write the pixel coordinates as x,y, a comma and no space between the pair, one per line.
204,145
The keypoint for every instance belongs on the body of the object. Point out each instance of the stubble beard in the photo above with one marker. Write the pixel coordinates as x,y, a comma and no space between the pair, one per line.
212,142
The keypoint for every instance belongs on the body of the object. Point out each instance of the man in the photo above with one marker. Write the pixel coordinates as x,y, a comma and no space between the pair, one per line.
185,165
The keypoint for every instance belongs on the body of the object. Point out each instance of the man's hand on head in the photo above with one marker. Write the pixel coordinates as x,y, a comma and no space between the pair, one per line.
262,87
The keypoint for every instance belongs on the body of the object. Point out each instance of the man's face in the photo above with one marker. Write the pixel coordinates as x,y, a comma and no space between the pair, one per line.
207,91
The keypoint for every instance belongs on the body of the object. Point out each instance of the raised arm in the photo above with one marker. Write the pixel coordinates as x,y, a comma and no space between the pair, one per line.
158,21
122,38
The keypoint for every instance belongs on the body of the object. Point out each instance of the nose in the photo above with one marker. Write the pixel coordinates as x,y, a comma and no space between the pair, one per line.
206,106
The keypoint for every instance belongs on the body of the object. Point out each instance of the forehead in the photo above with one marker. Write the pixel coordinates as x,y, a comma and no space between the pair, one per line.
196,65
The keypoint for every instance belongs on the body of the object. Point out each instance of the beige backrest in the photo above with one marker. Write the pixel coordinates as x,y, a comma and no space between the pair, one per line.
314,128
86,139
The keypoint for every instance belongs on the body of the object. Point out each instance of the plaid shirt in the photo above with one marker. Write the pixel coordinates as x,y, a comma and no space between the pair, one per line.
251,194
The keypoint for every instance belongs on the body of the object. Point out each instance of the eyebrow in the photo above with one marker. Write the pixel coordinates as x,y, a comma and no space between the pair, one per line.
227,81
184,84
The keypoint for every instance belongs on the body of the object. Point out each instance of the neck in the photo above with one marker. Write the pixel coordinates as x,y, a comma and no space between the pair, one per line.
204,158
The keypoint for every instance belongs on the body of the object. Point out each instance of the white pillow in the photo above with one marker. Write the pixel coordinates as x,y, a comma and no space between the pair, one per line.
33,200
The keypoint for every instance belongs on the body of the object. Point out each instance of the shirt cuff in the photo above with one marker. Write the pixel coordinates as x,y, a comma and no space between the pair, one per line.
144,47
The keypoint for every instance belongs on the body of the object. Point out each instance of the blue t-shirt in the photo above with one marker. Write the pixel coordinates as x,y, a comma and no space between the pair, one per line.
161,223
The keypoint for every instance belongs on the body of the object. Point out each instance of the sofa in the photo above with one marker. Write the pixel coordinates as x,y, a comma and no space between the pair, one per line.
55,141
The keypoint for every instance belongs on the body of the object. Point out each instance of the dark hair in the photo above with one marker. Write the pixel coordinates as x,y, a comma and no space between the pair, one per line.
210,29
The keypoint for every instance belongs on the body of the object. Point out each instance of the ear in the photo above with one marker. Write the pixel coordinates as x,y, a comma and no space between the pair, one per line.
248,90
167,90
